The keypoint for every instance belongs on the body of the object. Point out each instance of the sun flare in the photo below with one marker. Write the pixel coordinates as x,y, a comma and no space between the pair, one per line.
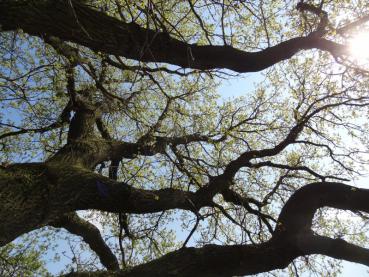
359,46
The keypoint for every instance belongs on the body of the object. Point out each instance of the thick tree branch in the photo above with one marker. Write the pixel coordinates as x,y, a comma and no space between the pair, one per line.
224,180
335,248
75,22
212,260
297,215
91,235
123,66
28,203
89,151
244,159
293,238
61,189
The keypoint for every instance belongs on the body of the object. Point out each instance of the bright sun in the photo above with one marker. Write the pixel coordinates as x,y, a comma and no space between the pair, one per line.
359,46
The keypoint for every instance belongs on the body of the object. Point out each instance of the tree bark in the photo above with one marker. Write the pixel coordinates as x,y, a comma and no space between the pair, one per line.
73,21
91,235
33,195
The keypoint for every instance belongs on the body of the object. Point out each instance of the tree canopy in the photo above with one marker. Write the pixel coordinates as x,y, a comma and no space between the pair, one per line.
115,138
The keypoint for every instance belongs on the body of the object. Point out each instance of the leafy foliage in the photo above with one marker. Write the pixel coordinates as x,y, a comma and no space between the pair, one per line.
67,103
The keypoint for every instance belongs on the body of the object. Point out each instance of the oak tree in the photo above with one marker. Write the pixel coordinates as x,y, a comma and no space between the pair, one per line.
111,116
